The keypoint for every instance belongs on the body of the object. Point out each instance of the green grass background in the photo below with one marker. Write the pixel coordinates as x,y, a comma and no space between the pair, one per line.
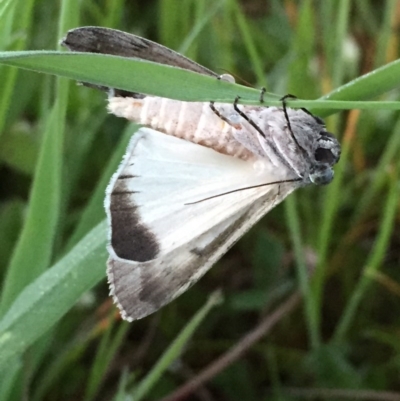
60,336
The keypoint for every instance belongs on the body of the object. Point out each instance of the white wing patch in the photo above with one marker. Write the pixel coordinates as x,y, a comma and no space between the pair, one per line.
174,207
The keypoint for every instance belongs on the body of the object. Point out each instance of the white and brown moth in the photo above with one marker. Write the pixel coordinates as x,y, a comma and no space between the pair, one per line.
179,201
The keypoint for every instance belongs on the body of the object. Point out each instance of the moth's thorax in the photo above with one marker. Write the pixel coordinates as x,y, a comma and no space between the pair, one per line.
304,147
192,121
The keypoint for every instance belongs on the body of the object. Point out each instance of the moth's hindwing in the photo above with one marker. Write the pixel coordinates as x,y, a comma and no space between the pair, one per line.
174,207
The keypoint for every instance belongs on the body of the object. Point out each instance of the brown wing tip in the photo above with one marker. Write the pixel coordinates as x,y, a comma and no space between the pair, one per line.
125,289
110,281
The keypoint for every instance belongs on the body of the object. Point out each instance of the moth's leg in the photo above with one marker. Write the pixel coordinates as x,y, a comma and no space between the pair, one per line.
217,113
288,96
246,117
284,106
316,118
227,78
262,93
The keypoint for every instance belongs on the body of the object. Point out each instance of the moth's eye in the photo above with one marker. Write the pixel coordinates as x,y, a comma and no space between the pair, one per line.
325,156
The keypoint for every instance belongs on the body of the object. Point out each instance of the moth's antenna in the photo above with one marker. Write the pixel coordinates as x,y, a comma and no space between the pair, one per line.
244,188
283,100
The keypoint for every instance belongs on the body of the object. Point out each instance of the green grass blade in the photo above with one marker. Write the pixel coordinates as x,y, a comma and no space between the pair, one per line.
339,37
375,258
5,8
41,304
385,32
109,345
131,74
293,222
9,75
9,378
251,49
369,85
34,248
175,83
175,349
388,156
199,26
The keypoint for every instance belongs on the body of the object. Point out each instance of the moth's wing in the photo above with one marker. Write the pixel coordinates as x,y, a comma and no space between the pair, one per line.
174,208
94,39
111,41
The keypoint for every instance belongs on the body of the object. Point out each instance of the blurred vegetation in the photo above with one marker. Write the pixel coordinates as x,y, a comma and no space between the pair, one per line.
60,336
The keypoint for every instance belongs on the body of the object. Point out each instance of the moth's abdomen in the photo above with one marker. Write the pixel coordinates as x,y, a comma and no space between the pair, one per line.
192,121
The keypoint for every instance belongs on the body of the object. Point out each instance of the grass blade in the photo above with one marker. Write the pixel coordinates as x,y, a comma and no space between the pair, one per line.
34,248
41,304
175,349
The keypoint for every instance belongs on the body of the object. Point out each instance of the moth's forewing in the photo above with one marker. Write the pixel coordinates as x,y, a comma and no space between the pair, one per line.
174,208
111,41
94,39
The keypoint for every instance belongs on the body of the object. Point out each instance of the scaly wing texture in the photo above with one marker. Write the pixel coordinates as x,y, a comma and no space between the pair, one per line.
174,208
95,39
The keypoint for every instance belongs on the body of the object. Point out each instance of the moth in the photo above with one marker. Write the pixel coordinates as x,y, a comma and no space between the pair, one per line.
195,178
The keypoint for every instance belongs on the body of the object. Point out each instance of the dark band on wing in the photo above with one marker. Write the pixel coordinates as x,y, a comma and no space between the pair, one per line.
160,287
130,238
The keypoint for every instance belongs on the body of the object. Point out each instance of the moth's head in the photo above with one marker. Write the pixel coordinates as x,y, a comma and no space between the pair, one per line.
326,154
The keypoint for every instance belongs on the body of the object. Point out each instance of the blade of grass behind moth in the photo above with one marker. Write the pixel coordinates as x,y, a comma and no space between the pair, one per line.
325,13
106,351
68,17
5,9
9,24
199,25
367,86
332,198
42,303
9,75
82,134
339,37
375,258
389,155
44,205
112,13
175,349
385,32
293,222
302,50
9,379
173,20
250,47
72,351
122,392
33,251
